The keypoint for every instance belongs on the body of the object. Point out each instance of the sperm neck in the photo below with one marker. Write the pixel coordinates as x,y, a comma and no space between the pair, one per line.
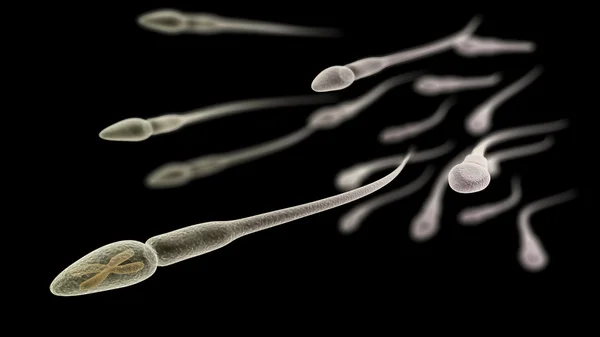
477,159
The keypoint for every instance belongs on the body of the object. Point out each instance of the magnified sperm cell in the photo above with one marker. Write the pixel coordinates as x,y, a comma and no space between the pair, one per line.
185,243
495,158
355,175
350,222
479,121
329,117
177,174
400,133
472,174
477,46
340,77
426,223
138,129
478,214
433,85
174,22
532,256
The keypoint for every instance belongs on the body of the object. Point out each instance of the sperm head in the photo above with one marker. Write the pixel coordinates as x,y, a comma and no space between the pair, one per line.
333,78
128,130
326,118
470,218
427,85
479,123
116,265
470,176
169,175
349,179
166,21
423,228
532,259
207,166
350,222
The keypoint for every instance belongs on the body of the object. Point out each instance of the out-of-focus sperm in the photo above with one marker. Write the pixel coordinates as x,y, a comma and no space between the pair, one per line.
399,133
355,175
433,85
496,158
340,77
479,121
476,215
351,220
175,22
477,46
138,129
532,256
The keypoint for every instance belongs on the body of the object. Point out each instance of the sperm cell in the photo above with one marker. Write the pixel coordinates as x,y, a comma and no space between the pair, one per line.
185,243
138,129
340,77
495,158
399,133
329,117
472,174
479,121
532,255
426,223
477,46
351,220
177,174
434,85
478,214
174,22
355,175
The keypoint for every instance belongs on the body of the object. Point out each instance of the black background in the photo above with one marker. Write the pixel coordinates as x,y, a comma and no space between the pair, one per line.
115,70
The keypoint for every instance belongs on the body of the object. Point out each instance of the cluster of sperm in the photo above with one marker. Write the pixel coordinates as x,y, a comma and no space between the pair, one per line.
103,268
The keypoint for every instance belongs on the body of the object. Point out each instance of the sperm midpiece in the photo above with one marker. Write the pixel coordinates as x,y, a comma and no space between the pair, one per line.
340,77
399,133
476,46
480,120
495,158
200,239
172,22
426,223
355,175
137,129
532,255
329,117
433,85
351,220
174,175
478,214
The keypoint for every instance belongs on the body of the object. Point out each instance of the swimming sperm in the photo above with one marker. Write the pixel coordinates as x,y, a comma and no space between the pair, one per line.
341,77
350,222
355,175
531,255
188,242
399,133
477,46
138,129
175,22
434,85
476,215
479,121
495,158
472,175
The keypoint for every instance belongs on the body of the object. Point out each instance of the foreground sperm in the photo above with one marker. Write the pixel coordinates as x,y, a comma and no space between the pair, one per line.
174,22
185,243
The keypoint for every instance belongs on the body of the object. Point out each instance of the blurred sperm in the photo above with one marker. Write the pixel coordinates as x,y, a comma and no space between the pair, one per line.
340,77
476,46
433,85
399,133
476,215
495,158
351,220
355,175
532,256
174,22
479,121
138,129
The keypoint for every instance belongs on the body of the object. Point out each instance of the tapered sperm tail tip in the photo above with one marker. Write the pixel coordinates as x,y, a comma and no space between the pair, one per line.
333,78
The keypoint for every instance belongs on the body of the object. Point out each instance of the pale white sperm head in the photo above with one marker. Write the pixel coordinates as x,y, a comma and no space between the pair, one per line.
333,78
169,175
470,176
349,179
128,130
479,123
427,85
166,21
327,117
